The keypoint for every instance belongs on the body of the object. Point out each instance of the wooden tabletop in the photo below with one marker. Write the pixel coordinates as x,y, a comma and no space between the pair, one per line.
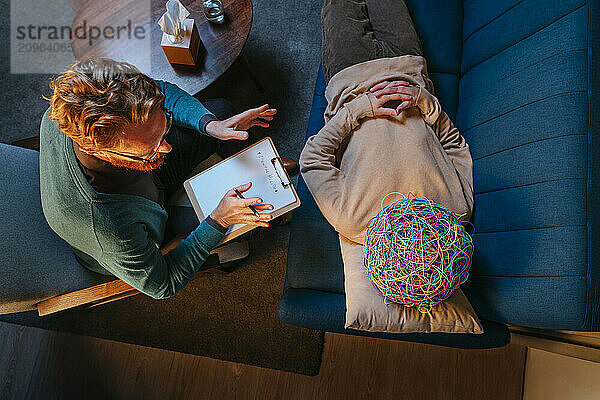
126,30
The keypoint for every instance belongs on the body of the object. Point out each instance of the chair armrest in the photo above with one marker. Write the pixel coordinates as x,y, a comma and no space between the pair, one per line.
32,143
83,296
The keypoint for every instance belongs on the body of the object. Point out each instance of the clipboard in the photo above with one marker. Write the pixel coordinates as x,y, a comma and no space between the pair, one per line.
259,164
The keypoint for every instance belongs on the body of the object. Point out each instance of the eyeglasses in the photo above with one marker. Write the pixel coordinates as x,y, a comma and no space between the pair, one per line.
155,152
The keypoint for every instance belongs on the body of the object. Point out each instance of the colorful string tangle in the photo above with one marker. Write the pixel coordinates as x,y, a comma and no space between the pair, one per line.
417,252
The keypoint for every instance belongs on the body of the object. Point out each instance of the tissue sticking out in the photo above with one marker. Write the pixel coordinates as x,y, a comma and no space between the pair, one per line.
171,22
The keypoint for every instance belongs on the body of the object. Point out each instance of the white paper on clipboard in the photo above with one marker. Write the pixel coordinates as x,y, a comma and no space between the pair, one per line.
259,164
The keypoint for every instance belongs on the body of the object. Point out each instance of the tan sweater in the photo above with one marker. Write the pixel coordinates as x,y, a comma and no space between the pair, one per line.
356,159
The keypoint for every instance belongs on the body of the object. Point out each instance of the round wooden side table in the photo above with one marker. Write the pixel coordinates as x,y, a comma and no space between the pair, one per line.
126,30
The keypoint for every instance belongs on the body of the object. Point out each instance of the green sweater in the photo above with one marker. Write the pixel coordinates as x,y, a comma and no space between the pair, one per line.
119,234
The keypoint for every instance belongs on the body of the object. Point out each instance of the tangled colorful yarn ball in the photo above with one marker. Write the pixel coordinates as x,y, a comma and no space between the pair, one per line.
417,252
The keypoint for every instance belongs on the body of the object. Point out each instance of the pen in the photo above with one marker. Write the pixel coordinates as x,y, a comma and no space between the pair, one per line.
241,196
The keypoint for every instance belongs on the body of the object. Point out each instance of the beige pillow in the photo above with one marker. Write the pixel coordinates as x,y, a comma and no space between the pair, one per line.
366,310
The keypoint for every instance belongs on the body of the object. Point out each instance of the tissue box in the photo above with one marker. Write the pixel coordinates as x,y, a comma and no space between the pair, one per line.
186,52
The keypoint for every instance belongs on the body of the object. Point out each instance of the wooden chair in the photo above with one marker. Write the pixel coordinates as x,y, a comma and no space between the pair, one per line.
96,295
89,297
92,296
116,289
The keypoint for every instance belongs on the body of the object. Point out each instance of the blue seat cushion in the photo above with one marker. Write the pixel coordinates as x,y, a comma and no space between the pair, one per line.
317,245
36,264
326,311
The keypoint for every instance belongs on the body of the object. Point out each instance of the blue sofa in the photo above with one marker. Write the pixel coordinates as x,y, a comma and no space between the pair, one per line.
521,80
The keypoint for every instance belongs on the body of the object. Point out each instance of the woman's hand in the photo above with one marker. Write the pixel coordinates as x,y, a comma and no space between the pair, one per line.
394,91
233,210
236,127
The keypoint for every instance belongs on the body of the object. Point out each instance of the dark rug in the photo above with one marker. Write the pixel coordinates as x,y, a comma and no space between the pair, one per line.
231,317
225,316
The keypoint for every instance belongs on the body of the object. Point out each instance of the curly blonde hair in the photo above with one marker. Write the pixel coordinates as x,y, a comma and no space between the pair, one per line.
94,99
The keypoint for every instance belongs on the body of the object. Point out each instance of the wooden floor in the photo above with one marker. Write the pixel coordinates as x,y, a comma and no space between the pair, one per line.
36,364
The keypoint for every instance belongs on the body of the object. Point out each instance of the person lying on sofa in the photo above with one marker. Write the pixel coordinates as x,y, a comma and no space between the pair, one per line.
385,132
109,158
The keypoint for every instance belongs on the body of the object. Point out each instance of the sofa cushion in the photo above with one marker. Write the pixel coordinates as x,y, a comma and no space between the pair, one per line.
36,264
524,108
492,27
439,25
316,249
322,310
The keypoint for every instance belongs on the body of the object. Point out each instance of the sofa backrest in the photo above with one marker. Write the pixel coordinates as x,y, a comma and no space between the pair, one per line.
525,106
35,264
439,24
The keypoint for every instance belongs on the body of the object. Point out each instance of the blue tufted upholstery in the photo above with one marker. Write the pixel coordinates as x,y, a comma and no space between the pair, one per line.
439,24
521,79
525,109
